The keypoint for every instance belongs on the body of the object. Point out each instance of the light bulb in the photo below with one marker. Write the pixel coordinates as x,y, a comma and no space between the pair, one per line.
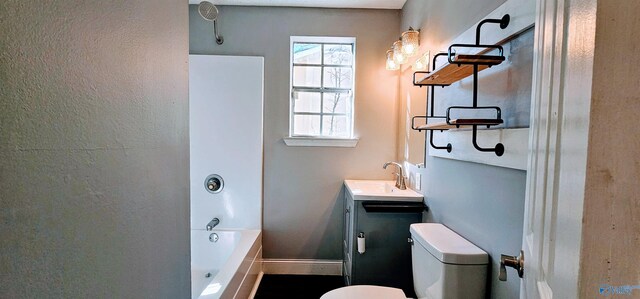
410,42
398,55
418,66
391,63
422,63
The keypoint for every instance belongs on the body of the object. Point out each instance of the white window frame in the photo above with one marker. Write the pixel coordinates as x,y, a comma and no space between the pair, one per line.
320,140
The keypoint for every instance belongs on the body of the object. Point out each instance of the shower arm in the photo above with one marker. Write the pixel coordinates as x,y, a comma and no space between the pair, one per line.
219,39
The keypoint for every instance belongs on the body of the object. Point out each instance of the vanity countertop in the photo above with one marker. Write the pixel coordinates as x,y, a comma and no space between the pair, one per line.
380,190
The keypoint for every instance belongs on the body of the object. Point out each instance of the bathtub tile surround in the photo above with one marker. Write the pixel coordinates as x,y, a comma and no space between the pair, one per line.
225,130
225,94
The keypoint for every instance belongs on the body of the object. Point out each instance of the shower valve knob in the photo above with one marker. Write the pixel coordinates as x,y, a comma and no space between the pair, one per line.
214,183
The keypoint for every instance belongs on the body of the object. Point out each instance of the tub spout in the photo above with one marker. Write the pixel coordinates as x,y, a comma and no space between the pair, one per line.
213,223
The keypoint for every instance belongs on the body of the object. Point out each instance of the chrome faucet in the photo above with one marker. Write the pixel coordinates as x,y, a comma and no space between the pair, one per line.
213,223
399,175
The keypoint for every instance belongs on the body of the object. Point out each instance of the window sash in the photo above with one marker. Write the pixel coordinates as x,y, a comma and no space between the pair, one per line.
322,82
348,115
322,116
321,113
322,90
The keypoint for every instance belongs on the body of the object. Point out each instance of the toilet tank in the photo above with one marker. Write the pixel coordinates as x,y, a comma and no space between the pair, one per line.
445,265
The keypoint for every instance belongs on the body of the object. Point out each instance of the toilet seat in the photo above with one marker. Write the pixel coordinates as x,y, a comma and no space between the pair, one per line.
365,292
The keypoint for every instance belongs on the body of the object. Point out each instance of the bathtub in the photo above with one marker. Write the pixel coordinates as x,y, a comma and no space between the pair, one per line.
227,268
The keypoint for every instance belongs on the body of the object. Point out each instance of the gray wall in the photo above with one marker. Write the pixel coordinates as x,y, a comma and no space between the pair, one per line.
94,149
302,185
484,204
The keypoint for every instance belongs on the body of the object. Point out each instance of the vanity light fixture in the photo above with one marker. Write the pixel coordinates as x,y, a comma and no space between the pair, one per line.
391,63
398,54
422,63
410,42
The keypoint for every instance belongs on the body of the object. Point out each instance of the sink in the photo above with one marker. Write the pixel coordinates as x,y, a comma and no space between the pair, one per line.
380,190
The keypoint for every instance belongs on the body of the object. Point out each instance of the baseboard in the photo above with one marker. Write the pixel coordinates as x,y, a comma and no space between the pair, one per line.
302,267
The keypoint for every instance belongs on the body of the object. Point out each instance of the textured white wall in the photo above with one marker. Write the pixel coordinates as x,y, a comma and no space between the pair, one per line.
94,149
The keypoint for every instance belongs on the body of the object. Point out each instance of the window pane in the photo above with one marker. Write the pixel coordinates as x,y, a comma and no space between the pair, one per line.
335,102
306,101
307,53
338,77
306,76
335,125
306,124
338,54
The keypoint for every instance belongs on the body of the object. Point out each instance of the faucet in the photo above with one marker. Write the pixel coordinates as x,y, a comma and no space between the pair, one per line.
213,223
399,176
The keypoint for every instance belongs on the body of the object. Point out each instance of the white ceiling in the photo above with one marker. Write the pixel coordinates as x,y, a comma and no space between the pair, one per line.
380,4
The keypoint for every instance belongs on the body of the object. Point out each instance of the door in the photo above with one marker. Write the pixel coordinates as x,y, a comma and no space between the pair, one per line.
563,67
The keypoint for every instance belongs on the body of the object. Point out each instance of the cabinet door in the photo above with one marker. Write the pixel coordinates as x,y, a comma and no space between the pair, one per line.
348,237
387,259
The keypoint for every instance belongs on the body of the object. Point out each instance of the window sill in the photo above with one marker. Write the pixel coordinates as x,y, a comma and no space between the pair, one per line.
328,142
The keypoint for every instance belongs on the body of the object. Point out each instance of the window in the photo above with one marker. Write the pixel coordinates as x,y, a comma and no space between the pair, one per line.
322,81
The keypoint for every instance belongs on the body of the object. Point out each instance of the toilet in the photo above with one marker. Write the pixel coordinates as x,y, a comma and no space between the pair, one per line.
445,265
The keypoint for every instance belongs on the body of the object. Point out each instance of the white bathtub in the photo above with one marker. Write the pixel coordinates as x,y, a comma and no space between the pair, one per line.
233,263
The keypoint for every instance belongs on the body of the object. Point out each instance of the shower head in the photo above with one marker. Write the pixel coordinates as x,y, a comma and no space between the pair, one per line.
208,11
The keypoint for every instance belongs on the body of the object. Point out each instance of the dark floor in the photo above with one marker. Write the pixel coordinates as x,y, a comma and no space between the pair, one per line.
297,286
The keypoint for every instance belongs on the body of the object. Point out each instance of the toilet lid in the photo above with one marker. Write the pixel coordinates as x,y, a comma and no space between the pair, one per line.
364,292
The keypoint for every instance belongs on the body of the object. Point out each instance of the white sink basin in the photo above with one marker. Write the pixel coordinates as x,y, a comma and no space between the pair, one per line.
379,190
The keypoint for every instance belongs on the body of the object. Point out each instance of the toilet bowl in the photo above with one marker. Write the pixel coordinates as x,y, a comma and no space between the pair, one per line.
365,291
445,265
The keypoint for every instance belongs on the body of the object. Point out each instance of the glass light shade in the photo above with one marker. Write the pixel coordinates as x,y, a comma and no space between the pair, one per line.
410,42
398,55
422,63
391,63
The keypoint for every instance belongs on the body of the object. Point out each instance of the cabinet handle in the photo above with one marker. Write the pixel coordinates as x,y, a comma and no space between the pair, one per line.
347,210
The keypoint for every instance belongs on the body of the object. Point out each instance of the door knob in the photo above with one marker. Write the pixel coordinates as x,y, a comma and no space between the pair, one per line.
516,262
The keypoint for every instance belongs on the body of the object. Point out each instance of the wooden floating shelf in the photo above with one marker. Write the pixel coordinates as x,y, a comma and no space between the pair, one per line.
461,68
457,123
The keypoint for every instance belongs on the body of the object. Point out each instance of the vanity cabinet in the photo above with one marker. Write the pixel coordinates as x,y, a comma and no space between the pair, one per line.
387,257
